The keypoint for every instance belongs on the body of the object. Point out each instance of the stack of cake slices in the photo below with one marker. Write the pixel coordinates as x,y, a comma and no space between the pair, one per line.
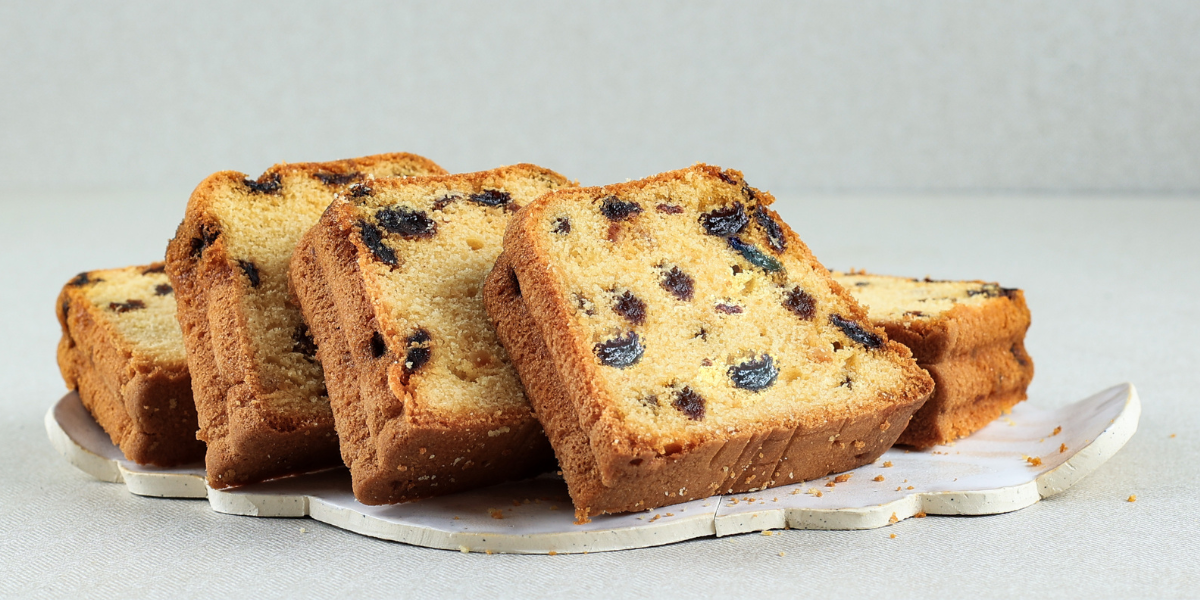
655,341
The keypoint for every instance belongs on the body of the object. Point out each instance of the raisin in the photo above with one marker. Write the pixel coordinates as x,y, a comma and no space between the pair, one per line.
66,310
208,235
406,222
562,226
749,192
337,179
302,341
491,198
913,313
251,271
445,201
992,290
801,302
378,345
615,209
650,401
670,209
727,177
727,220
862,283
729,309
614,232
126,306
163,289
373,239
755,256
267,184
631,307
82,279
755,375
774,232
847,383
417,355
702,334
359,190
856,332
621,351
158,269
689,403
680,284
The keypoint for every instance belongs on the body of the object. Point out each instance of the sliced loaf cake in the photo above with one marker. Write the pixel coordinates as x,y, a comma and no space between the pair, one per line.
969,335
423,395
677,340
259,390
122,351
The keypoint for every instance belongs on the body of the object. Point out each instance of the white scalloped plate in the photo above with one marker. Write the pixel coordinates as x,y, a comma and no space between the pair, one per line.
990,472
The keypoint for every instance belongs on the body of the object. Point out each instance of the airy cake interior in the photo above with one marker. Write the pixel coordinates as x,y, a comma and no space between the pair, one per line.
701,317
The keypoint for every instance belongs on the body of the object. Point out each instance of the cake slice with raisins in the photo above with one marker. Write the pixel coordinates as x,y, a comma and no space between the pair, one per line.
425,399
969,335
122,351
677,340
260,394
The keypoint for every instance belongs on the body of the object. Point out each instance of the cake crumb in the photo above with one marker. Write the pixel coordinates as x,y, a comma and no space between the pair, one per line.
669,515
1057,430
496,513
893,536
489,552
1062,448
887,464
819,494
516,502
878,478
783,553
1033,461
1132,498
830,484
1172,435
768,532
303,530
910,487
464,549
898,488
920,515
893,519
843,478
552,553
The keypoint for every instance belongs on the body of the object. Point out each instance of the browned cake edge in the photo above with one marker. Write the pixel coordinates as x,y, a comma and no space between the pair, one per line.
145,407
977,358
392,456
619,477
247,442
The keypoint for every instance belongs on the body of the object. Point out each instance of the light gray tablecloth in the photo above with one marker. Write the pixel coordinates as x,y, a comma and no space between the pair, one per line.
1113,285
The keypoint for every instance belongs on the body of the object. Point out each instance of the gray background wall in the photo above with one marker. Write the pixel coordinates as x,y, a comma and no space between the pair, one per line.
861,96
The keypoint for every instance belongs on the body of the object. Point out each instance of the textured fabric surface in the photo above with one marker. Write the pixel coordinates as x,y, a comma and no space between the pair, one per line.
1112,287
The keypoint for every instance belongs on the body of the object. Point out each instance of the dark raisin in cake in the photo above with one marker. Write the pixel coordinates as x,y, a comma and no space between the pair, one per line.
258,386
969,335
677,340
122,351
424,397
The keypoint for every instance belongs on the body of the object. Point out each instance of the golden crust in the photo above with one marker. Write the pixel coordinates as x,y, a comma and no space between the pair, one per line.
606,469
394,453
143,402
248,439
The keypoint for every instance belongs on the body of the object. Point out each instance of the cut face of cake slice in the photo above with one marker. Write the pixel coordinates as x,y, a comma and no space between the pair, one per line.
969,335
425,399
122,351
259,389
677,340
